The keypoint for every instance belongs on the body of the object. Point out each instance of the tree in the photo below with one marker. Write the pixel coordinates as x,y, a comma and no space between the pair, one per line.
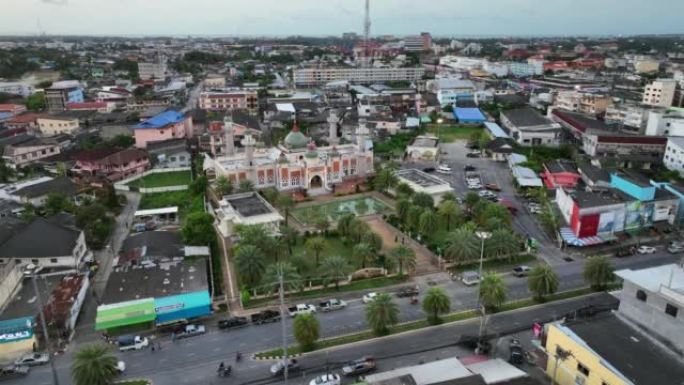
404,190
285,202
36,102
462,245
199,229
223,185
61,169
58,202
344,224
542,281
357,230
290,235
598,272
404,257
306,330
291,278
94,365
427,223
385,180
502,243
334,268
423,200
449,211
492,291
413,218
246,185
373,239
471,200
199,185
363,252
403,206
250,262
381,314
449,197
435,303
321,223
316,245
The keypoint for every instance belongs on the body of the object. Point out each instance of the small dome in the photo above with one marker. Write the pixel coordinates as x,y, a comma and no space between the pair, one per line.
295,139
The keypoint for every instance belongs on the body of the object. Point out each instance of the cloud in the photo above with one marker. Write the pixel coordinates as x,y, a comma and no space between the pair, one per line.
56,2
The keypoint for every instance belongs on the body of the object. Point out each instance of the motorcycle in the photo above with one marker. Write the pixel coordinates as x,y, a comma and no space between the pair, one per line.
225,371
414,300
238,357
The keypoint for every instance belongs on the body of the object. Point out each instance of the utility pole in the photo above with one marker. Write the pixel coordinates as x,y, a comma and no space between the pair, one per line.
283,319
41,315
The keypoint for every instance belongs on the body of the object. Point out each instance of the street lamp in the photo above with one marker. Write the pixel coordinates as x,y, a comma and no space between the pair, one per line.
439,124
483,235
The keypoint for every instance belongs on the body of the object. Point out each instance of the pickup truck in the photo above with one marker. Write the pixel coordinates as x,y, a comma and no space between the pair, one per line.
301,309
332,304
409,291
191,331
361,366
233,322
265,316
13,371
278,369
127,343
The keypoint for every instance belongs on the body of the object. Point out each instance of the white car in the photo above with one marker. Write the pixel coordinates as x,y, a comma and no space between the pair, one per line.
370,297
444,169
474,186
646,250
326,379
120,366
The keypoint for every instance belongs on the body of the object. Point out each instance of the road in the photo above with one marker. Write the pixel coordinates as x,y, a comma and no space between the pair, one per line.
192,361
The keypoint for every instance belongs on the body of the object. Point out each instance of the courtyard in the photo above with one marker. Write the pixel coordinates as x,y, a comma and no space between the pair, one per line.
334,209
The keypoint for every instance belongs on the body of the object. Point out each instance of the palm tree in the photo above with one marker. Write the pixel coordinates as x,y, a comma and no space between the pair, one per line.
250,263
316,245
306,330
246,185
334,268
413,218
291,278
436,302
462,245
542,281
449,197
423,200
427,223
363,252
285,202
492,291
598,272
61,169
223,185
502,243
450,211
373,239
321,223
358,229
402,207
471,200
404,190
94,365
290,235
381,314
384,180
404,256
344,224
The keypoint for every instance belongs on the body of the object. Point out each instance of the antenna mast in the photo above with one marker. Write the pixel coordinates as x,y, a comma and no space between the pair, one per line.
366,33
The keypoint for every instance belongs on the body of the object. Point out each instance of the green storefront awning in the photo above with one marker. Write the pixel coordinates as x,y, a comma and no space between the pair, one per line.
125,313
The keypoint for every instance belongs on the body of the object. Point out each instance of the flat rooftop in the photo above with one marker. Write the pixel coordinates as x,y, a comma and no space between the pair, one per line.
653,278
157,280
425,141
420,178
24,303
628,351
586,199
248,206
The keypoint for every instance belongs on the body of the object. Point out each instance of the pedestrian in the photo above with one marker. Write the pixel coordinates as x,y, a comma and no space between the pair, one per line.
158,345
152,347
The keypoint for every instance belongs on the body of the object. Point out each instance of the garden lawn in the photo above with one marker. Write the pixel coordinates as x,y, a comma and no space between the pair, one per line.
183,199
163,179
453,133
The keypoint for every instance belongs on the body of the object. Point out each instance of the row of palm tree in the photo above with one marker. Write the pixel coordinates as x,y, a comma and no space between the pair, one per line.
463,244
225,187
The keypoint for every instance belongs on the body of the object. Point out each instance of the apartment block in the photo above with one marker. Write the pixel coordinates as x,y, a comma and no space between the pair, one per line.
660,93
229,100
584,102
316,76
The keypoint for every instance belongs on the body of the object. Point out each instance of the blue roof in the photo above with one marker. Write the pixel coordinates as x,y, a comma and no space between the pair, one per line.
162,120
496,130
468,114
180,301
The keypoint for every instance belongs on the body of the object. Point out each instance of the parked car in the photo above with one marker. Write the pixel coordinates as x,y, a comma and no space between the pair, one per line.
470,278
369,297
468,167
191,330
332,304
408,291
474,186
625,252
473,154
265,316
521,271
646,249
488,195
361,366
127,343
13,371
233,322
674,249
326,379
428,169
278,368
444,169
33,359
492,186
302,308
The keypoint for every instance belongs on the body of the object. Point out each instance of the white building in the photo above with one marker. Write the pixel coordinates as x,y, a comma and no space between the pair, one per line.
423,147
152,70
229,100
646,65
316,76
584,102
248,209
530,128
665,123
674,154
660,93
627,115
422,182
25,90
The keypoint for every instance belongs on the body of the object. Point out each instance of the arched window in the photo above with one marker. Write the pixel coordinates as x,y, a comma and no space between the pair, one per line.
641,295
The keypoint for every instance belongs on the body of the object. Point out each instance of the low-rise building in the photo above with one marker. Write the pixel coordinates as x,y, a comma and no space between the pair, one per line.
665,122
646,65
22,150
214,81
529,128
36,191
674,154
422,182
51,125
246,209
423,147
101,107
229,100
560,173
12,109
14,88
59,94
172,153
627,115
660,93
111,164
167,125
317,76
584,102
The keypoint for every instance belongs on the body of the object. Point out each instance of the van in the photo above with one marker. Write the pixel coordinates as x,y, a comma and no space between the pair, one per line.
127,343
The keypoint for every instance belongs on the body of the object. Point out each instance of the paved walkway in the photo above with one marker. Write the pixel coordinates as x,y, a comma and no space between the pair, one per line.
424,257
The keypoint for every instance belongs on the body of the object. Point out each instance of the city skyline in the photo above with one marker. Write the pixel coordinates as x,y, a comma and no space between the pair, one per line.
311,18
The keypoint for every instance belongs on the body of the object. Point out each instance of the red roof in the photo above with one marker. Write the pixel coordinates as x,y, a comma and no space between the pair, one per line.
24,118
11,107
637,139
86,105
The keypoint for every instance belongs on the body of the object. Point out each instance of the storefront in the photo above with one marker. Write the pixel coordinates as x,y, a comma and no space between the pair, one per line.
16,337
125,314
184,306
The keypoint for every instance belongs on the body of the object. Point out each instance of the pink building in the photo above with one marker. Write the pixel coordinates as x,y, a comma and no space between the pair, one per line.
111,163
167,125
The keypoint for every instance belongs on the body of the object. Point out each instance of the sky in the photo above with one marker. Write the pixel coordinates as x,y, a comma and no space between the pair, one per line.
333,17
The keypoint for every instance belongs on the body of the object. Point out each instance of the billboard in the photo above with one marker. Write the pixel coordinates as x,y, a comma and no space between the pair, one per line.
606,223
